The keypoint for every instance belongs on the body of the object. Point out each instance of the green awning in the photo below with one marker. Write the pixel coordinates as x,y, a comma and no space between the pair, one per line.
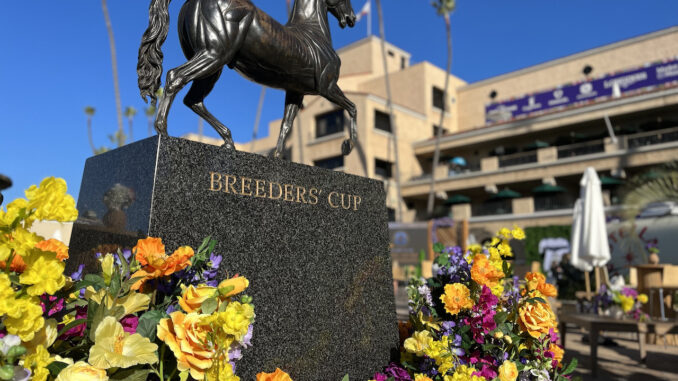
457,199
607,180
505,193
548,188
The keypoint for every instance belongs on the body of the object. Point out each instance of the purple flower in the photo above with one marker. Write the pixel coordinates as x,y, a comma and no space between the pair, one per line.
629,292
130,323
76,276
398,373
487,372
78,330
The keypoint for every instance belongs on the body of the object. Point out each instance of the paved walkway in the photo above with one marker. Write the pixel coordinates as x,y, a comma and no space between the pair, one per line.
622,362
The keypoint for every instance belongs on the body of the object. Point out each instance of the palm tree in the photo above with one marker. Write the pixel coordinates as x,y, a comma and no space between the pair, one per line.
660,184
389,104
89,111
120,135
150,117
130,112
444,8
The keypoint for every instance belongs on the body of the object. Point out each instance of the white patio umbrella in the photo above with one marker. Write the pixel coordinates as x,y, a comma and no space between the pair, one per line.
590,247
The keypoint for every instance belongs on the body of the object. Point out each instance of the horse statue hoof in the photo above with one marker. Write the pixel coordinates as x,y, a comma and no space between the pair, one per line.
346,147
228,145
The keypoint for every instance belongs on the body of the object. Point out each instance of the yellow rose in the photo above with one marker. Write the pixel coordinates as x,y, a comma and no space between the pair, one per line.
642,298
278,375
44,273
239,284
627,303
82,371
536,318
421,377
188,340
192,297
557,351
508,371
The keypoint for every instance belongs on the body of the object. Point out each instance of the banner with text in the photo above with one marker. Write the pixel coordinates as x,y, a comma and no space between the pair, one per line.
612,85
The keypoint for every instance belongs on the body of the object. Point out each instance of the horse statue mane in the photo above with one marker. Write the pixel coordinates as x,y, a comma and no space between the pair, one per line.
297,57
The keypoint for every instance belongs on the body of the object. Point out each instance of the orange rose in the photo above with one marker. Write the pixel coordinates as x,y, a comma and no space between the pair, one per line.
536,318
192,297
239,284
557,351
483,273
537,281
187,339
456,298
55,246
150,253
278,375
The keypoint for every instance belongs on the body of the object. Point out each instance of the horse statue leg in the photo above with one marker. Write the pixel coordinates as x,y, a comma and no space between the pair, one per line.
200,88
293,103
336,96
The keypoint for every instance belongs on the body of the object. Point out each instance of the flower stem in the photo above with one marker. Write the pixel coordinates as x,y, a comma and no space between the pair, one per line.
162,357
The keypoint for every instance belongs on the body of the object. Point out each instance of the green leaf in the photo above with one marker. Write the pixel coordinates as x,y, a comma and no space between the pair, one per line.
570,367
148,323
55,367
438,247
209,306
131,374
500,317
345,378
225,290
93,280
183,376
96,317
114,287
70,325
124,265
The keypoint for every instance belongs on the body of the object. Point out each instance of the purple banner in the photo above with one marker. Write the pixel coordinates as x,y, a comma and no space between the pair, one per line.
612,85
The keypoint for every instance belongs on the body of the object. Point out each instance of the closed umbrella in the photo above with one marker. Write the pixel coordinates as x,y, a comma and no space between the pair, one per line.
590,247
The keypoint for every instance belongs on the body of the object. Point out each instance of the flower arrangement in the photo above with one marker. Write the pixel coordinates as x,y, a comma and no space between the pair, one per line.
474,321
626,302
146,315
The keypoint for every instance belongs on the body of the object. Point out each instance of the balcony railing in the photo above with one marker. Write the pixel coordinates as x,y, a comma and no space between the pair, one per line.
652,137
490,208
542,203
517,159
580,149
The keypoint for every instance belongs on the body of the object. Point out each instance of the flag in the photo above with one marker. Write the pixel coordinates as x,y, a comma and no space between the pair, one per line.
365,11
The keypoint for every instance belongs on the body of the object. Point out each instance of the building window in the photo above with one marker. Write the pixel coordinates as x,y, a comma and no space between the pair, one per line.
391,54
330,162
383,168
436,128
403,62
438,98
391,214
382,121
329,123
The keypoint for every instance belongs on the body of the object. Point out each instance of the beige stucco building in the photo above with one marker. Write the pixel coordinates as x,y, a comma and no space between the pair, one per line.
540,155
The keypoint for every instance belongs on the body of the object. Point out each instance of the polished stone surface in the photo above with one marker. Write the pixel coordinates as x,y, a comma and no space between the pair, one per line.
320,271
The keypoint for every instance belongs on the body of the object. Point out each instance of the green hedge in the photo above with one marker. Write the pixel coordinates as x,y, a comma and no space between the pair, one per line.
536,234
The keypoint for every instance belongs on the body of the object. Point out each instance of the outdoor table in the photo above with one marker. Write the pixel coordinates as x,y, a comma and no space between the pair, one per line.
594,324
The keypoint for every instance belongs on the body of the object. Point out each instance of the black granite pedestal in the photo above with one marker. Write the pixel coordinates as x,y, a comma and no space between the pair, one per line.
313,242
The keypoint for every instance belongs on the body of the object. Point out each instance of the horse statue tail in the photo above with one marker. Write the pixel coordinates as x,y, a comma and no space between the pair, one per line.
149,66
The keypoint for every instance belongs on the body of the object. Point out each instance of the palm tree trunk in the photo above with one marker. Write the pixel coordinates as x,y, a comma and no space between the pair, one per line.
131,130
257,117
439,132
114,65
89,135
389,104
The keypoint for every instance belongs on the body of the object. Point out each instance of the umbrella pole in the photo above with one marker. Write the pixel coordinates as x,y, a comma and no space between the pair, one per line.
597,273
587,281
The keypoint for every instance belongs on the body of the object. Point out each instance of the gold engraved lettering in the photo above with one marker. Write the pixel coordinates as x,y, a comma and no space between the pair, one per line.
228,184
215,178
301,192
348,197
270,191
313,196
288,192
245,183
329,199
356,201
258,188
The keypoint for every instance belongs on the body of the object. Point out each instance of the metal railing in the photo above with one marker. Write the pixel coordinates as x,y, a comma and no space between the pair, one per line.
580,149
652,137
517,159
542,203
491,208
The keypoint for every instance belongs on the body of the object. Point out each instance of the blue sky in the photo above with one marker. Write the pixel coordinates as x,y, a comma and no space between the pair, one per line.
55,61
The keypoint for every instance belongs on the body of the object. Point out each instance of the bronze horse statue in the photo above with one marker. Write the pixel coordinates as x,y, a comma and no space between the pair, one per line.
297,57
